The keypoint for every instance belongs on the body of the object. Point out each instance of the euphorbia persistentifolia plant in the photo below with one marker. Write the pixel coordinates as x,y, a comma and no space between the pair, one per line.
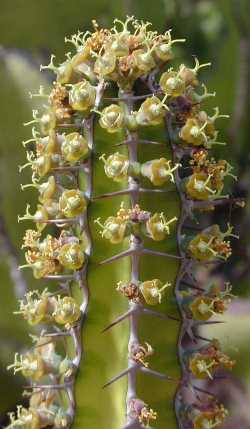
121,160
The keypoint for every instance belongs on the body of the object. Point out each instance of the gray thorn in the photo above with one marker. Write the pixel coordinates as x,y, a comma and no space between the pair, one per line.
120,375
150,371
116,257
160,315
119,319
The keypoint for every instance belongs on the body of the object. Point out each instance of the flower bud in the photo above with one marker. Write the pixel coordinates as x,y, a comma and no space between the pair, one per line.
48,122
47,189
144,60
202,308
71,256
35,309
42,165
151,112
72,203
64,71
116,166
112,118
210,244
105,64
82,96
158,171
152,291
31,365
157,226
172,84
193,132
199,187
113,229
67,311
74,147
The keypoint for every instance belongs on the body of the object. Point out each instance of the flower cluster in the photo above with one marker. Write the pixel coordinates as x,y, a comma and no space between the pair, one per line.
207,179
47,308
159,171
53,255
57,203
206,361
134,221
44,410
214,301
210,418
120,55
54,151
211,244
138,353
147,292
199,129
42,361
102,59
66,105
142,412
115,117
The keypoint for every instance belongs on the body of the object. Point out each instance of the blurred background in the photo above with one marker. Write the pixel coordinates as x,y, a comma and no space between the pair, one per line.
216,31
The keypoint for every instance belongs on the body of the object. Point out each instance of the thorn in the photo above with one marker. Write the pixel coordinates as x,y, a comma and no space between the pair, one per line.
192,286
69,126
217,202
67,167
119,319
59,221
130,191
132,97
60,277
221,377
56,334
210,322
112,194
158,314
155,373
49,386
155,253
116,257
139,141
156,190
120,375
199,337
199,389
213,262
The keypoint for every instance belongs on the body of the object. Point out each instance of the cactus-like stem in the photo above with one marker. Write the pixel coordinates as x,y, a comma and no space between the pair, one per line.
66,152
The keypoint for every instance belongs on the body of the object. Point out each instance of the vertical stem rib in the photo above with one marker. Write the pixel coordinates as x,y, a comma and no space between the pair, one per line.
135,243
88,127
183,216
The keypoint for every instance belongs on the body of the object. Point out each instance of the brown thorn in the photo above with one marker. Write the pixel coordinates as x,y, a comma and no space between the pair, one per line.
210,322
